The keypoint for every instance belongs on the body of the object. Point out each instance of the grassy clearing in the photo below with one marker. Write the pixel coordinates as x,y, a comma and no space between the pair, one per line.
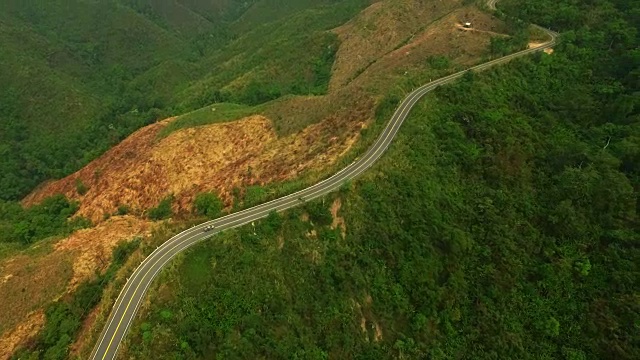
215,113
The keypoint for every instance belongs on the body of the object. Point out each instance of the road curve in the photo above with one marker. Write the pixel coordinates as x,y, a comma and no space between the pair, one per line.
130,298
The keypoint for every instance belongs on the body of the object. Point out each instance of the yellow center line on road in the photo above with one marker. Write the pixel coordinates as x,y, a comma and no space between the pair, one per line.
128,286
106,351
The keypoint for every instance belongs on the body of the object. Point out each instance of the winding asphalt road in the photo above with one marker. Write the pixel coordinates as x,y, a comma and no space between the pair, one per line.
131,296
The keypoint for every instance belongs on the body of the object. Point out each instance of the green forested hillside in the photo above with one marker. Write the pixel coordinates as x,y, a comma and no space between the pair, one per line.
78,76
502,224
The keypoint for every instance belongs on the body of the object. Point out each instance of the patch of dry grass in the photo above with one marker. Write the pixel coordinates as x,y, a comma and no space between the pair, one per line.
27,284
440,38
378,30
27,329
93,248
42,274
220,157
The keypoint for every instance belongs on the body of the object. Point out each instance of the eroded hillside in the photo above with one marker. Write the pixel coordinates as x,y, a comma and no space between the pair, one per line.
139,172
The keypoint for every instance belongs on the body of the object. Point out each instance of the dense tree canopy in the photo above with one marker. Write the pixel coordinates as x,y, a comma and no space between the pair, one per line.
49,218
208,204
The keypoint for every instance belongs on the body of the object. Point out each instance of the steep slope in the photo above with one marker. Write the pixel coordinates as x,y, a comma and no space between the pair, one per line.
139,172
379,30
64,70
421,51
62,266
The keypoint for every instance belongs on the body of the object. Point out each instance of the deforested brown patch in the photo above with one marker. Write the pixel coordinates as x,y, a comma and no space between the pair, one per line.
26,330
440,38
140,172
378,30
93,248
32,281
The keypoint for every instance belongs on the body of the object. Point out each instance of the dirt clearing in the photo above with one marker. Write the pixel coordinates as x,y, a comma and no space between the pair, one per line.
93,248
31,283
139,172
25,331
535,44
